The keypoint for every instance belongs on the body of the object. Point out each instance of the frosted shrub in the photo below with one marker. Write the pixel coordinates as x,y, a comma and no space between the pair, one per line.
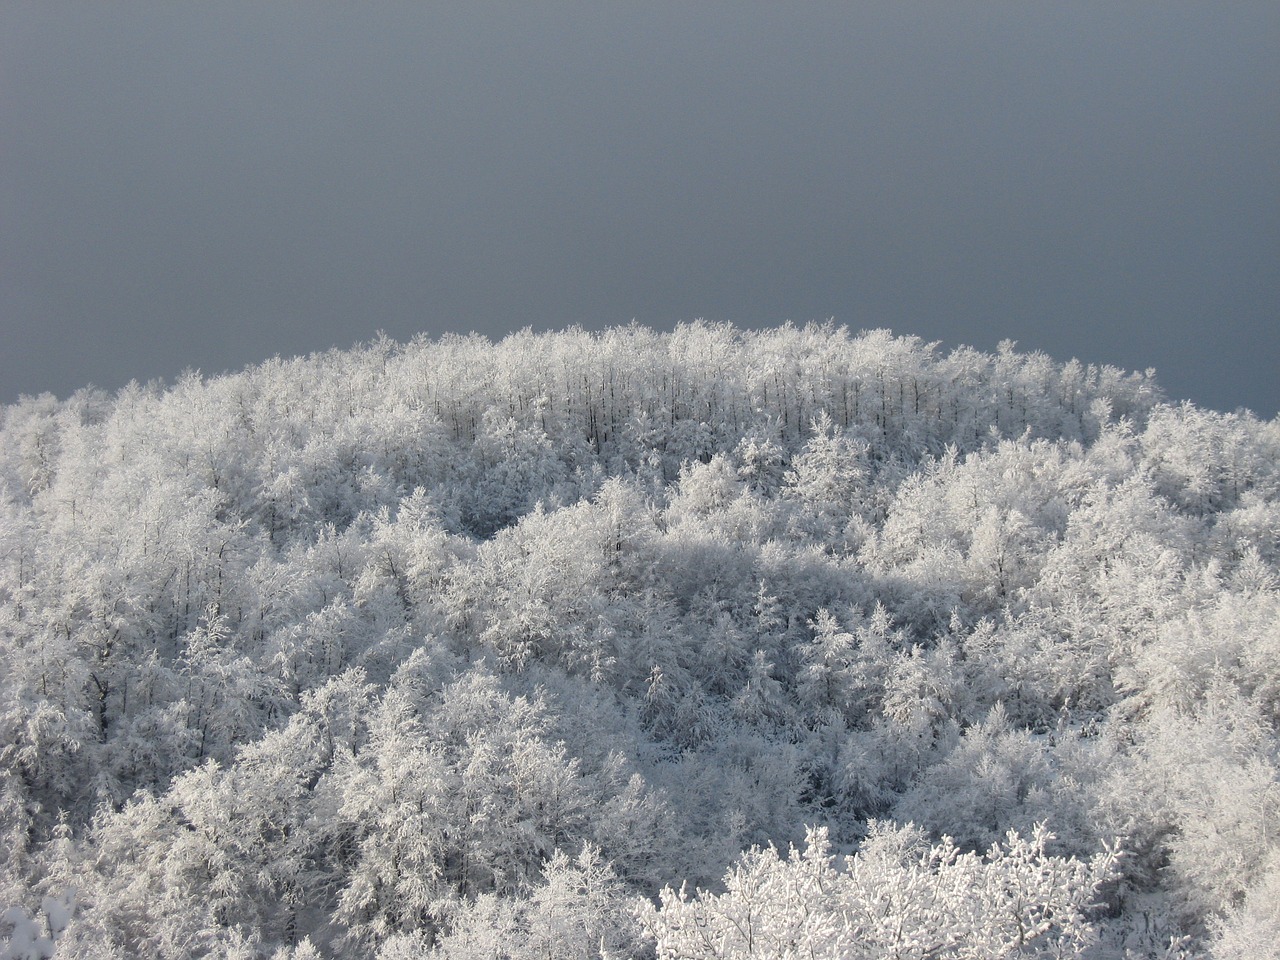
900,897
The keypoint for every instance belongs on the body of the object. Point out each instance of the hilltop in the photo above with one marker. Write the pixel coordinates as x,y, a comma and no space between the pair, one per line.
451,645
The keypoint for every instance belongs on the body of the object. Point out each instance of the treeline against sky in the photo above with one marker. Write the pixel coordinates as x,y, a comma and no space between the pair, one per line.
465,649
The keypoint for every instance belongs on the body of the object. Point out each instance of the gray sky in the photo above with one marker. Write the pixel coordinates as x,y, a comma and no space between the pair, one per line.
210,184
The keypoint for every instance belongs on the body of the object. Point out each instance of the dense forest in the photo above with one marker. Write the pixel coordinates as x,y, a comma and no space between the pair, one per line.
711,643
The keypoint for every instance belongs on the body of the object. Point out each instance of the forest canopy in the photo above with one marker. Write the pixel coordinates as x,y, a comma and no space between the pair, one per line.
710,643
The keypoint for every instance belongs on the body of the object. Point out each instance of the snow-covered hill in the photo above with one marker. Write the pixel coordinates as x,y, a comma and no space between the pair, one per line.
451,645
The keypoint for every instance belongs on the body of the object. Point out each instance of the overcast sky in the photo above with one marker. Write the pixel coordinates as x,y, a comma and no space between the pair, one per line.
208,184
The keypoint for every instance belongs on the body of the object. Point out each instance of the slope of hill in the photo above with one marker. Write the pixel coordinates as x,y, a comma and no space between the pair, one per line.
456,646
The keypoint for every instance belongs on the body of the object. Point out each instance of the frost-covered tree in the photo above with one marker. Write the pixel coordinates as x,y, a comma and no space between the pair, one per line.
899,897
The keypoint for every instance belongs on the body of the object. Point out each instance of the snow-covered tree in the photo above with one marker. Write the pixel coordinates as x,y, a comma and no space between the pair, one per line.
899,897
